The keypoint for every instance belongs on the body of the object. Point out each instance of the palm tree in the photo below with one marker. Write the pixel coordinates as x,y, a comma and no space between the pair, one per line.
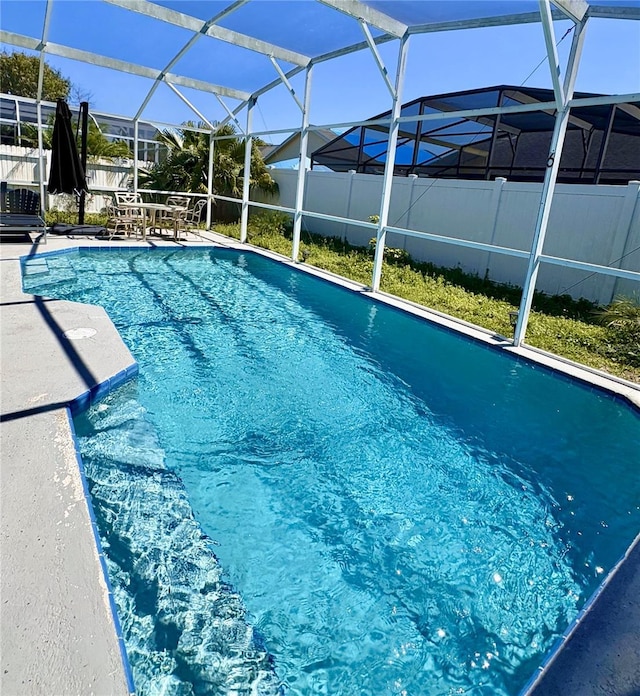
623,312
100,147
185,166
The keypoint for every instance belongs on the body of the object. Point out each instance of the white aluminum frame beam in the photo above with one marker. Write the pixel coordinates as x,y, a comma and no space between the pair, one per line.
479,22
198,113
376,57
591,267
371,16
212,144
136,141
43,43
42,168
246,183
563,96
185,21
170,65
302,166
120,65
464,243
552,52
575,10
286,82
389,165
614,12
231,116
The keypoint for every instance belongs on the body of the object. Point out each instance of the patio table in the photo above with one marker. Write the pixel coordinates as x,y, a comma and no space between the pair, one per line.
149,210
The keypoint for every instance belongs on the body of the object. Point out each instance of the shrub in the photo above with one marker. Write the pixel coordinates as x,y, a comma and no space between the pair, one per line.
622,319
392,255
270,221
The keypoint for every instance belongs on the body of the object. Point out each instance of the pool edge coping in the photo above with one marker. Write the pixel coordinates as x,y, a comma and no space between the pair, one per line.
72,407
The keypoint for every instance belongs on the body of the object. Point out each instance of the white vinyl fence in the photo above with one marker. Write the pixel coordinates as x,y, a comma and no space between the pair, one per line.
19,167
592,224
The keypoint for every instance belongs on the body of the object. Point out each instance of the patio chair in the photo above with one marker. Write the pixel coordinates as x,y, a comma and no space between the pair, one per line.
127,197
20,212
174,217
126,219
191,218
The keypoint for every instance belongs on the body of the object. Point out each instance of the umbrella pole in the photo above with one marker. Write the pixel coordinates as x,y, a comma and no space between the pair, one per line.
84,113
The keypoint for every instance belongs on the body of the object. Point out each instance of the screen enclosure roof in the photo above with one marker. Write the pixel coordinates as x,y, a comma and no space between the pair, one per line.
242,49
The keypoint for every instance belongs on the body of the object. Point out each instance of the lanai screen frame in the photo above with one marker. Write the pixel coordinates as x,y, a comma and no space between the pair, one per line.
578,11
457,137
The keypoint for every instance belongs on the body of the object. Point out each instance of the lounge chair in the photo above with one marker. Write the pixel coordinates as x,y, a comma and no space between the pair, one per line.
20,212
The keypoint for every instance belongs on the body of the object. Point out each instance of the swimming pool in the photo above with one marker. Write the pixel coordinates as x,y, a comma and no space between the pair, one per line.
308,491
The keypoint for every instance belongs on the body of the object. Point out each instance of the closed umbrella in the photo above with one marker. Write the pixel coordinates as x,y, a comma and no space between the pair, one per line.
67,173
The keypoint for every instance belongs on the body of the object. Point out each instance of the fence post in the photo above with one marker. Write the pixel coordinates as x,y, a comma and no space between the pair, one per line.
347,212
494,211
407,222
624,229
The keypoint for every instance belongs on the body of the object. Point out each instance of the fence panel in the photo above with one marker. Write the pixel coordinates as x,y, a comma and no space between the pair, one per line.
595,224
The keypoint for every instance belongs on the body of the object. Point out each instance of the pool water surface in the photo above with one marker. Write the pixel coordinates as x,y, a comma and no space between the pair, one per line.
308,492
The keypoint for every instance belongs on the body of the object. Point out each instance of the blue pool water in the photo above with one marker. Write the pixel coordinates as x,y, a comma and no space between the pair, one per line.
306,492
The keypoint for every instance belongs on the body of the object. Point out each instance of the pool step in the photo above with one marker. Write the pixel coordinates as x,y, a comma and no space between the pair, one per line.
185,628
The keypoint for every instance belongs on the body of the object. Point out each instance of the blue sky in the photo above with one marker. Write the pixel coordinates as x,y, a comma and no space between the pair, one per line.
346,89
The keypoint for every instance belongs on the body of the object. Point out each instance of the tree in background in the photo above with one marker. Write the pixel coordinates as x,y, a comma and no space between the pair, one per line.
19,76
186,164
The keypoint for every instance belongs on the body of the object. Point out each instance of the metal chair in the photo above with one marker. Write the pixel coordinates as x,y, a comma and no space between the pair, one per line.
193,215
173,218
127,197
127,219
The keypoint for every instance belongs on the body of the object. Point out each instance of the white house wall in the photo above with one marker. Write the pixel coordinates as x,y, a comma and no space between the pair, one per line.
594,224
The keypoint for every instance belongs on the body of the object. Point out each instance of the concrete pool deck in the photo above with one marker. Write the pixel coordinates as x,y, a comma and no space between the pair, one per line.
57,633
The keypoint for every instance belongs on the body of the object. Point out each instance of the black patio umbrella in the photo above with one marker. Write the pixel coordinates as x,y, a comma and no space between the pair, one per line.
67,173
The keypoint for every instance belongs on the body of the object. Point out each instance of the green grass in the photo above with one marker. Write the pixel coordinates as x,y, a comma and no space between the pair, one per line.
557,324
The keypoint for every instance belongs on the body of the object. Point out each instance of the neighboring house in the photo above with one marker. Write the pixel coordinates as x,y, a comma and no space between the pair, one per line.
16,111
602,144
287,153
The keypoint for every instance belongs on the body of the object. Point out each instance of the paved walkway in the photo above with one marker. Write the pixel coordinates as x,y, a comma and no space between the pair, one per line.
57,636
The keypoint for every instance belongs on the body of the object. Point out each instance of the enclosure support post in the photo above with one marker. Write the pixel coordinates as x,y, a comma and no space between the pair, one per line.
302,166
563,94
42,162
135,156
42,170
212,144
387,180
84,120
246,182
